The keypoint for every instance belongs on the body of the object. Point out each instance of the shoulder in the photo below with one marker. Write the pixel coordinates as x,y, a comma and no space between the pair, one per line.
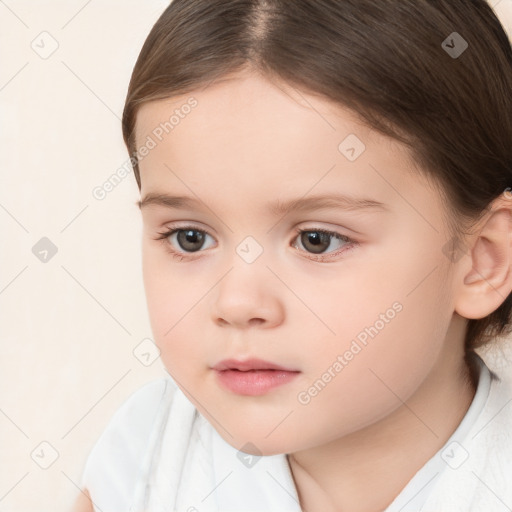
112,467
495,417
477,468
135,416
143,404
486,460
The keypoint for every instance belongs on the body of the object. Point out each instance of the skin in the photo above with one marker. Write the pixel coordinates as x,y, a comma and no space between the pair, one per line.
83,503
394,405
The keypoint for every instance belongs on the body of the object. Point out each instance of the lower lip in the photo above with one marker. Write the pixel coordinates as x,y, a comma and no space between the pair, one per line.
254,382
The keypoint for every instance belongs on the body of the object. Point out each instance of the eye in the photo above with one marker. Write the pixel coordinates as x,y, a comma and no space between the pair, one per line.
319,240
188,238
316,242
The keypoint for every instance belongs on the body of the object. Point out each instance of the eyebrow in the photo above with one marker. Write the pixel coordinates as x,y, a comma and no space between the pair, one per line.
276,208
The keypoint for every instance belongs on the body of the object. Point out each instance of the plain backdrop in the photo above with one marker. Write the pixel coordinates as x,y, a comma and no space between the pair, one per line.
75,335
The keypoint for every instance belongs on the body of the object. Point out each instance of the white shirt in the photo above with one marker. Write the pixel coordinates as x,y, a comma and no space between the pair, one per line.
159,454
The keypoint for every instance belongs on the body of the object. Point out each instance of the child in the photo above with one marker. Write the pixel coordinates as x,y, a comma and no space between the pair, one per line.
326,204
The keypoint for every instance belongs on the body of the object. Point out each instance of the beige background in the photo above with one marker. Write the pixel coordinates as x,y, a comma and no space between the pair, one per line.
72,325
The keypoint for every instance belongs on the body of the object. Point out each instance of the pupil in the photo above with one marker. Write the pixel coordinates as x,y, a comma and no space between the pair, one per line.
314,238
187,239
319,241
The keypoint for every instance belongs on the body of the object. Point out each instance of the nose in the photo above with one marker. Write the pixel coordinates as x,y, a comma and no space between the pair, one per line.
248,296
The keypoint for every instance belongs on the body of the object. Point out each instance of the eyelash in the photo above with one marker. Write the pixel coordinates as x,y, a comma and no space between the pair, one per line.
350,243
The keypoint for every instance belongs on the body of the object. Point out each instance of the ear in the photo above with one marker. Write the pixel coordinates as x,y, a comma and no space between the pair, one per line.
486,275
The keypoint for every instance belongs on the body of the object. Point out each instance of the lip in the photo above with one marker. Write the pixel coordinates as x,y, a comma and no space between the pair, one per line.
252,377
250,364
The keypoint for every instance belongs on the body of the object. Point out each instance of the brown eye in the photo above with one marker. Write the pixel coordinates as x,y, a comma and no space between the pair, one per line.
190,240
315,241
183,241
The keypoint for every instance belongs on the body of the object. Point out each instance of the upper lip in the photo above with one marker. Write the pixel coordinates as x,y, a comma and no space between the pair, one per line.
249,364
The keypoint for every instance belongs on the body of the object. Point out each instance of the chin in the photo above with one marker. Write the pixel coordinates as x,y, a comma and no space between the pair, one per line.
254,443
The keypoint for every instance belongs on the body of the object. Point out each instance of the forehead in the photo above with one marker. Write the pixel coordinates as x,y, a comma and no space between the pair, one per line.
248,135
252,105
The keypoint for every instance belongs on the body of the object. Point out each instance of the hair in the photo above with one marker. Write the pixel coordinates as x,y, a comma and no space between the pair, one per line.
387,61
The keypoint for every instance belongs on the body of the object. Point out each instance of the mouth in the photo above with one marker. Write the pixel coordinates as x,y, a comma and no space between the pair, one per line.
252,377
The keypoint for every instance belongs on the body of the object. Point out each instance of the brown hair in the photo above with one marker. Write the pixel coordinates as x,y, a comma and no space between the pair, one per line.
396,63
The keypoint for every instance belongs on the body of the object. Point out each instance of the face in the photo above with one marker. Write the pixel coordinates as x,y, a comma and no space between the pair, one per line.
352,298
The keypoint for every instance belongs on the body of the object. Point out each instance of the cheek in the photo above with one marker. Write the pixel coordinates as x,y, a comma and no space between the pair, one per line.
167,290
411,298
391,323
381,373
176,308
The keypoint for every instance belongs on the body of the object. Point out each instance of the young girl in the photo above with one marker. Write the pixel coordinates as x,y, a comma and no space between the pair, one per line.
326,203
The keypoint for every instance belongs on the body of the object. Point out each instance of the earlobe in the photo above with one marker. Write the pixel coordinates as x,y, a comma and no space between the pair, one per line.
487,268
